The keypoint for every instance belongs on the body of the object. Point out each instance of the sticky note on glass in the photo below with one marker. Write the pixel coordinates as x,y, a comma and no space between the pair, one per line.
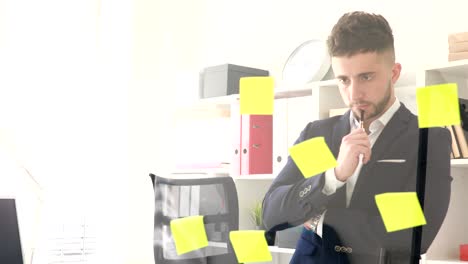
312,156
189,234
250,246
438,105
256,95
400,210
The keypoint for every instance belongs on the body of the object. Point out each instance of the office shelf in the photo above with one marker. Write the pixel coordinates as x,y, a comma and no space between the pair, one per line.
326,83
459,67
254,177
451,261
293,93
219,100
221,172
199,173
459,163
276,249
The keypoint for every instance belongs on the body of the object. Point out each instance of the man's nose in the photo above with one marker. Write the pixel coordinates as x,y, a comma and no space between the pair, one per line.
356,91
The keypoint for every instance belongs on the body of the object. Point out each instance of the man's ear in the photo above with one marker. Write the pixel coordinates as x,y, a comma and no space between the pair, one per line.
396,70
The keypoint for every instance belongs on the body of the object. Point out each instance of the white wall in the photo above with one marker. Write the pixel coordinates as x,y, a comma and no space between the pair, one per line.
65,69
263,33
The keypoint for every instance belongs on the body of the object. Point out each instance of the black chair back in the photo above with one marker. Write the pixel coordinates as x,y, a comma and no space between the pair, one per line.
215,198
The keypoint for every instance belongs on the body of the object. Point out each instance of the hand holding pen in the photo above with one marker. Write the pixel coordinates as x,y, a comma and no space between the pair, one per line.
355,150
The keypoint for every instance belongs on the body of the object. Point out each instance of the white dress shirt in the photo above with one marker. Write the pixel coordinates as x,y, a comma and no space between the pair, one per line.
375,129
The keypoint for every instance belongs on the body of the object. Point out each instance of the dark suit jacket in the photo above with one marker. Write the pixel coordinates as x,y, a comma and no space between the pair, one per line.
360,227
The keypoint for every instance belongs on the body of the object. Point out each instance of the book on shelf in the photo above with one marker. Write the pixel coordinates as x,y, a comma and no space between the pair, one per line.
459,133
463,112
459,143
455,151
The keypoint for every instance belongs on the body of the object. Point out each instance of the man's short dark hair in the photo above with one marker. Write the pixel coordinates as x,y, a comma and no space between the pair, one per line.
360,32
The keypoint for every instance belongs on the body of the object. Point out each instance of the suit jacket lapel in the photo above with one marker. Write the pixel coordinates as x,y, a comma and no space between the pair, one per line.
395,127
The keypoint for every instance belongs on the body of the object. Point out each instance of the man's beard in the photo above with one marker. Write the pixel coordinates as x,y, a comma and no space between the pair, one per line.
379,107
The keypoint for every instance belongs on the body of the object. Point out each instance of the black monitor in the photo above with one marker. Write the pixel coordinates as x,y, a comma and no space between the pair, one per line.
10,243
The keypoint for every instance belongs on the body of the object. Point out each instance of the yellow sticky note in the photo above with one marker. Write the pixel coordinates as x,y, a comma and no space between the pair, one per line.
250,246
400,210
438,105
256,95
312,156
189,233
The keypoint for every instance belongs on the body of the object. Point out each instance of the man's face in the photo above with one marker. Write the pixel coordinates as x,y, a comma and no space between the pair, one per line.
366,82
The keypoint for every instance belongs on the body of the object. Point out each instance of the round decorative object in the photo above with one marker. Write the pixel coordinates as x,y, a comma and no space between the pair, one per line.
309,62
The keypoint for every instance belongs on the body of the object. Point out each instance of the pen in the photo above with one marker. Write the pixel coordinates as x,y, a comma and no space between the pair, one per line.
361,123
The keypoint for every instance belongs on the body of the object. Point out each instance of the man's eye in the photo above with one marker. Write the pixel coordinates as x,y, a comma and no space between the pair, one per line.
344,81
366,77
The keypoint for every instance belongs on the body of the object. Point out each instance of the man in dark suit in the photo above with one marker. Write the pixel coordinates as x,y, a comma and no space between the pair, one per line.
337,207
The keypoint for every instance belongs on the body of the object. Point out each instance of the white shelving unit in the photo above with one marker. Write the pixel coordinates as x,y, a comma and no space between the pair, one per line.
454,230
459,163
251,177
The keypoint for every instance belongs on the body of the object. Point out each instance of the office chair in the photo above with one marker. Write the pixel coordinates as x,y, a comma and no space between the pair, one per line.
215,198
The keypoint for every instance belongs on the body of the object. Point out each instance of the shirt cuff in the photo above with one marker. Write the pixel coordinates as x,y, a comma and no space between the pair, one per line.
331,183
320,224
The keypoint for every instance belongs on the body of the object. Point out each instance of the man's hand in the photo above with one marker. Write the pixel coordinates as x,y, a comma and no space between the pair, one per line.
355,143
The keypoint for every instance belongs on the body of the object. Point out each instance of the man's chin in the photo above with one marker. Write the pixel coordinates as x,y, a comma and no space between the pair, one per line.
368,115
367,110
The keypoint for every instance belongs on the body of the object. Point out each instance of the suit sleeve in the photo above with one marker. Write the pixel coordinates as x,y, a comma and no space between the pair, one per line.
372,234
293,199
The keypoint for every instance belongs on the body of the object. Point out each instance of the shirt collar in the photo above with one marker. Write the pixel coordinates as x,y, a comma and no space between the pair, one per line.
383,119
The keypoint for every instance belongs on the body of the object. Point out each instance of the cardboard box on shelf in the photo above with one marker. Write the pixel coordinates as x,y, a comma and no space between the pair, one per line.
458,37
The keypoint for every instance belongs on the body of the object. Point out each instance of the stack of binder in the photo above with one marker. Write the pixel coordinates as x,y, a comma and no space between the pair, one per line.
253,143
